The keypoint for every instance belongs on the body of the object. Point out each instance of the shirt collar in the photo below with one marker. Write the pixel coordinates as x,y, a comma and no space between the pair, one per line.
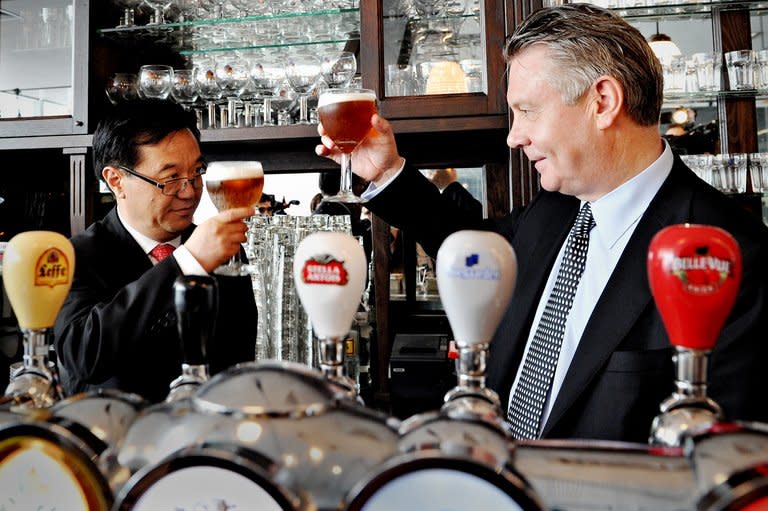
618,210
145,242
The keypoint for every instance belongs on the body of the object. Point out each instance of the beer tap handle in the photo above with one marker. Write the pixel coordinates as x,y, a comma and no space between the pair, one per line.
694,273
196,300
476,274
329,270
38,267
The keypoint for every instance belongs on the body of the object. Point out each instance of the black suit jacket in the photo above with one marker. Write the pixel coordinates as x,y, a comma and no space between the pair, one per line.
622,368
117,328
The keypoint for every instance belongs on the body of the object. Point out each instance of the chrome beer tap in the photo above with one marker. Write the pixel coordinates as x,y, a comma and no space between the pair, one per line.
694,273
38,267
329,270
476,274
196,302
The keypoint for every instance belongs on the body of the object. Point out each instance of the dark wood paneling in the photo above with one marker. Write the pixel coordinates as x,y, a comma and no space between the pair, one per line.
740,114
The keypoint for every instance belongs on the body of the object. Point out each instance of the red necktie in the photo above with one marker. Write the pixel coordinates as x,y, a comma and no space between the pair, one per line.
162,251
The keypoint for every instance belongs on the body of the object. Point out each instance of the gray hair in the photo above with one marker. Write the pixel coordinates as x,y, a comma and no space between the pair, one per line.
586,42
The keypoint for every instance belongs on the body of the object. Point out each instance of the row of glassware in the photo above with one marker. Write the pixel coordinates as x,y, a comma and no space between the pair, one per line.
159,12
626,4
702,72
284,330
729,172
233,84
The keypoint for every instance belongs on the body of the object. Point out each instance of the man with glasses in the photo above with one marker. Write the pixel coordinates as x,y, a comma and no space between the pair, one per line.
117,328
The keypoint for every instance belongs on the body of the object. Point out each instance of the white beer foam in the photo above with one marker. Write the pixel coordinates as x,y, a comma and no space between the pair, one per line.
329,99
225,170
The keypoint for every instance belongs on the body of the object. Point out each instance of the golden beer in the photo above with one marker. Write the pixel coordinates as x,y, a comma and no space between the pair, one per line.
234,184
346,117
38,267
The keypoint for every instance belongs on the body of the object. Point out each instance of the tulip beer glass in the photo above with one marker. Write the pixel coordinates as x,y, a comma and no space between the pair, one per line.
234,184
346,117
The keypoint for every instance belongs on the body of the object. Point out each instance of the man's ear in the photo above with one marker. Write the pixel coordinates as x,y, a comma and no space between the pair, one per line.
609,101
114,179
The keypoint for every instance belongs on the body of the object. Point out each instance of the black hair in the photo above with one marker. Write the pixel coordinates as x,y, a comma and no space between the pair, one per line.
131,124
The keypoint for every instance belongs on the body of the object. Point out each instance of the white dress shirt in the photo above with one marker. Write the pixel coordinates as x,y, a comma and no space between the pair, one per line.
186,261
616,215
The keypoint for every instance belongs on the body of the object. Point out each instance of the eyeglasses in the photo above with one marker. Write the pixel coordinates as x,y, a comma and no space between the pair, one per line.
171,186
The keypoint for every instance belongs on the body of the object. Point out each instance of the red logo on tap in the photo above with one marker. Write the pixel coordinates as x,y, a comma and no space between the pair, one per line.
324,269
701,272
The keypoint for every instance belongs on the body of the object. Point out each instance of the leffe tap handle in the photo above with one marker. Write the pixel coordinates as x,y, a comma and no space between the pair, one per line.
196,302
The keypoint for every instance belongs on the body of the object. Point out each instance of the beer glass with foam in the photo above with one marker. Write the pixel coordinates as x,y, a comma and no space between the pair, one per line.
234,184
346,117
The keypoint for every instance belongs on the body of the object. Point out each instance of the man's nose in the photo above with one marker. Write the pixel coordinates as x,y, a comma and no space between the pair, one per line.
516,137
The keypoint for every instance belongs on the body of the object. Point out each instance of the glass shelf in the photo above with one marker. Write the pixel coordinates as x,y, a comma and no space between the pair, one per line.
688,98
331,27
686,9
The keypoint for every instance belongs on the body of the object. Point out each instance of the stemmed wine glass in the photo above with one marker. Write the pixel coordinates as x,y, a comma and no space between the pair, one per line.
231,74
346,118
155,81
267,77
184,87
122,87
209,89
234,184
302,71
339,68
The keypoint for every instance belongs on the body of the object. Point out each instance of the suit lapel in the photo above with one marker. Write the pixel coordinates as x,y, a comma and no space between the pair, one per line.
625,295
536,247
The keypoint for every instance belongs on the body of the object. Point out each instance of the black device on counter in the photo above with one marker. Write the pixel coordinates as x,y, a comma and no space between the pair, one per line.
420,373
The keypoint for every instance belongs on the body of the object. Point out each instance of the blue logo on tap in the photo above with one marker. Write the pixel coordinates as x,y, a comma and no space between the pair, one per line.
472,260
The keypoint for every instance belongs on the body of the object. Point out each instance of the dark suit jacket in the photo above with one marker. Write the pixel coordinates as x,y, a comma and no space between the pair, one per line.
117,328
622,368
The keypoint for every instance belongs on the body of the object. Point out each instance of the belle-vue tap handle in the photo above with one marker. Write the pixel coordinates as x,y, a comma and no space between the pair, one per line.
196,301
694,273
476,274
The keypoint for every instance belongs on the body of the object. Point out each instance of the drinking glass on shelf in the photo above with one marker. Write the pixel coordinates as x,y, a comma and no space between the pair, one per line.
339,68
266,77
122,87
761,69
302,71
234,184
129,12
284,101
184,88
758,172
708,70
209,90
158,6
346,118
231,73
155,81
741,69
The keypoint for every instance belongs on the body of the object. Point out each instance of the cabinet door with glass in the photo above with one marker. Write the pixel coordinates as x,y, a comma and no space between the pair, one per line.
43,67
434,58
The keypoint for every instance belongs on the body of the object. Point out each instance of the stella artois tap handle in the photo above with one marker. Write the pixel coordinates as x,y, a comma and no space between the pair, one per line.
196,300
694,273
476,274
329,270
38,267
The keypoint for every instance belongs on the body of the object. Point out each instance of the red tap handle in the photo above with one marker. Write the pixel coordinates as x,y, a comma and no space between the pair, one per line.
694,273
